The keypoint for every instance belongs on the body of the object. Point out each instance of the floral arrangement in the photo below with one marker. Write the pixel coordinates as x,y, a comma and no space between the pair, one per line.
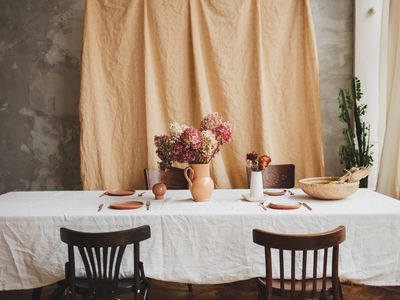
186,144
256,163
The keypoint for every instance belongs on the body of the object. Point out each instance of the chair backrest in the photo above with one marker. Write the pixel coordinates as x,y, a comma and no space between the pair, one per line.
304,243
276,176
173,178
102,254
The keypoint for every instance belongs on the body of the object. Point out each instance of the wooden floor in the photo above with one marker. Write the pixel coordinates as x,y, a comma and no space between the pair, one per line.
232,291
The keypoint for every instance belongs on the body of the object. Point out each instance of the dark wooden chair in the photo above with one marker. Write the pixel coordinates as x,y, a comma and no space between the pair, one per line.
102,254
173,178
276,176
315,287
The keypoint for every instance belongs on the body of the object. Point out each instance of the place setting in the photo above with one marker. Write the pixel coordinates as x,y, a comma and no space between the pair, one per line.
267,198
159,191
274,200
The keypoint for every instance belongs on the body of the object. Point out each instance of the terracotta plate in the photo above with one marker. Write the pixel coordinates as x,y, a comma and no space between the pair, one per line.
119,193
126,205
284,204
274,193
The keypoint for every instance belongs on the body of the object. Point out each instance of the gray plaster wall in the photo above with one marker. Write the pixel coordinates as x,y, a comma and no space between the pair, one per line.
40,45
334,31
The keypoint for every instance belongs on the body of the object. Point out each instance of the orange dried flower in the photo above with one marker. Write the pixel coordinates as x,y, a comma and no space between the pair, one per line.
264,161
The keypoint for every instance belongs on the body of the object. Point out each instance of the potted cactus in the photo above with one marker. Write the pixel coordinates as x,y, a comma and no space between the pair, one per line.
357,150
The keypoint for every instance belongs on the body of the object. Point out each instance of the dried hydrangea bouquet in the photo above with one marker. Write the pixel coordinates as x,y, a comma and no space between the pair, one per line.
197,147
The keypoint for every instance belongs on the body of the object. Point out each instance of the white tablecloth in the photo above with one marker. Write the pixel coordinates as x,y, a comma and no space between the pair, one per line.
209,242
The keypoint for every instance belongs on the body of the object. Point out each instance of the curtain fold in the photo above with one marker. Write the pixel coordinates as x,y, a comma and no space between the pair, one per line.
389,127
147,63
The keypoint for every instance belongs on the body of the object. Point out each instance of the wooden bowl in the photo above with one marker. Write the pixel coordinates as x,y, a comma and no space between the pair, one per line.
319,188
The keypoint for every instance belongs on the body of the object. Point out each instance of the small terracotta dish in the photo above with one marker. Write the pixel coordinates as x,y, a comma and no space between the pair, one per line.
275,193
284,204
126,205
119,193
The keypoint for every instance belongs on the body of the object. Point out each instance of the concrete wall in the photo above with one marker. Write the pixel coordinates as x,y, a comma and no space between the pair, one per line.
334,30
40,44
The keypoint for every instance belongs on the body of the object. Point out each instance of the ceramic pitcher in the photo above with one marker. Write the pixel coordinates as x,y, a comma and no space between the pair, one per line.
200,183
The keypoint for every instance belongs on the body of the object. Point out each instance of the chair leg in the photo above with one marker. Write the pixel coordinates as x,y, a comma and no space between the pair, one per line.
340,292
190,288
261,290
36,293
59,292
144,290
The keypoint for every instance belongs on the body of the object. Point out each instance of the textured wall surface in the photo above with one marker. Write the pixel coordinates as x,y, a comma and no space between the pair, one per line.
40,44
334,24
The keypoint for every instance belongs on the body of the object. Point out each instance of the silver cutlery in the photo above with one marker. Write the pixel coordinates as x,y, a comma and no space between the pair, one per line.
100,207
148,203
262,205
306,205
290,192
141,194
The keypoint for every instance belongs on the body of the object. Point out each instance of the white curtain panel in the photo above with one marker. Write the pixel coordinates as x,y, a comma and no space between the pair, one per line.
389,127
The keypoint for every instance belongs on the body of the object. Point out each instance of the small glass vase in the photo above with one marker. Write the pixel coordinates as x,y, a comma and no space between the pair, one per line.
256,184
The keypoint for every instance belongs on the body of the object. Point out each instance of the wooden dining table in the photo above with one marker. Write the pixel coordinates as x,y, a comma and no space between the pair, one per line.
194,242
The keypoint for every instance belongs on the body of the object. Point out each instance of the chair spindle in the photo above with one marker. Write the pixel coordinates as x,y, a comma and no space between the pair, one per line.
304,273
293,279
324,272
121,250
105,264
268,267
315,267
282,270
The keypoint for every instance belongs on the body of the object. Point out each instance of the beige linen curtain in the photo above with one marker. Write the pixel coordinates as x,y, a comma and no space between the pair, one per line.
146,63
389,118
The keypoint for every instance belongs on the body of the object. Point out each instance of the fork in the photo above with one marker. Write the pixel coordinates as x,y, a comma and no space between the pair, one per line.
148,203
262,205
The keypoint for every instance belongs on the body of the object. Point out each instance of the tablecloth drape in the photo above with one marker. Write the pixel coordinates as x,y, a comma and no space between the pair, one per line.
146,63
196,242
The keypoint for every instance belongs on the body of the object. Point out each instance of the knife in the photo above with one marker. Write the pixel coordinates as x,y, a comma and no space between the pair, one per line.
306,205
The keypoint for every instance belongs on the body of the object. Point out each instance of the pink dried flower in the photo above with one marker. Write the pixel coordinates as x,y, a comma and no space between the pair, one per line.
192,137
223,132
182,154
211,121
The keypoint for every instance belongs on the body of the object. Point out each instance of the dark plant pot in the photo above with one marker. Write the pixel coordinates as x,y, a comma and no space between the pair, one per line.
364,182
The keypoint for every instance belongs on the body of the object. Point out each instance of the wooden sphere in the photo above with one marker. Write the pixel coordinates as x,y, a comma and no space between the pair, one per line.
159,190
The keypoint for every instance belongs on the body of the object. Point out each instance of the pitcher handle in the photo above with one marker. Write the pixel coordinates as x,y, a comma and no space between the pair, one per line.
188,176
